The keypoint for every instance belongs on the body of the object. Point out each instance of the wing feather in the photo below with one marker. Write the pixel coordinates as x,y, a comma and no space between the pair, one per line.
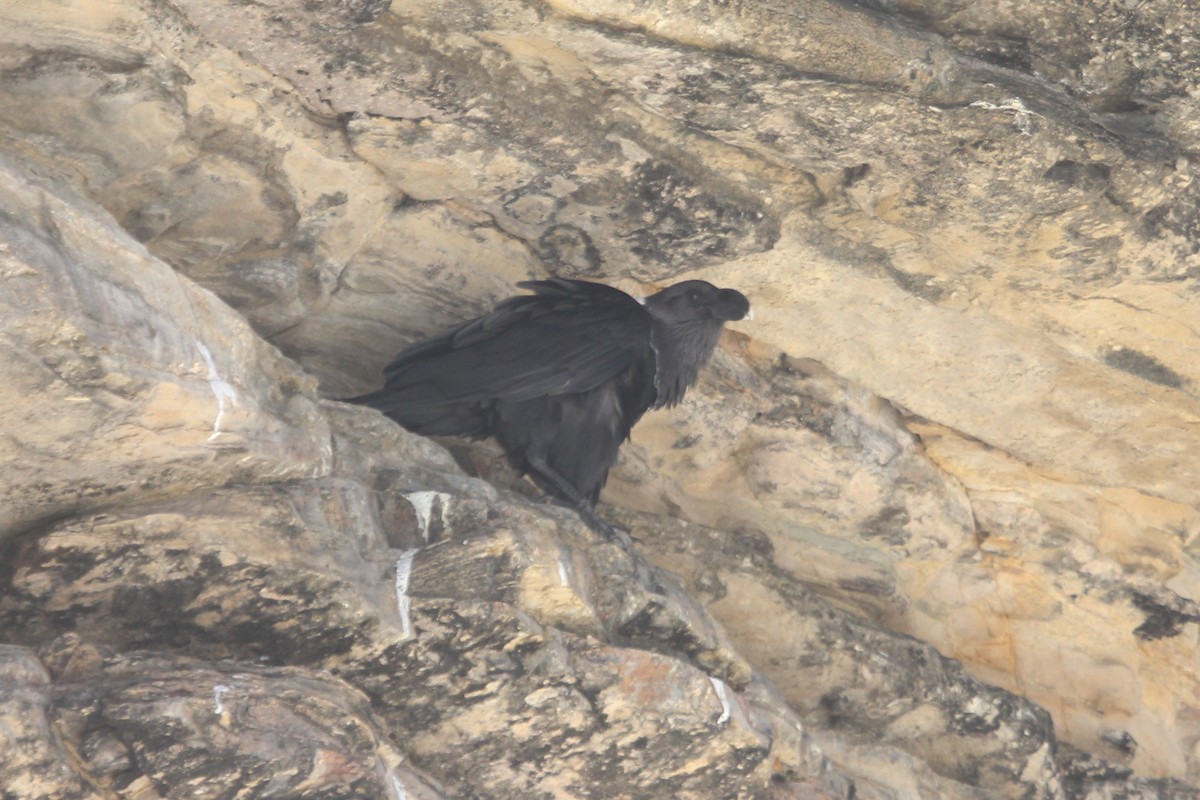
567,337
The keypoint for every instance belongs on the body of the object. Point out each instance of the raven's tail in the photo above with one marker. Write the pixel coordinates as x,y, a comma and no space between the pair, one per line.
428,419
393,404
372,399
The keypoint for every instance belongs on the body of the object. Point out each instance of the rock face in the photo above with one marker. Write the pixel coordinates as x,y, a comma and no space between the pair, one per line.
926,529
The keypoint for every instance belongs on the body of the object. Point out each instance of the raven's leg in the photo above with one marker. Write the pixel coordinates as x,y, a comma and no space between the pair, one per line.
557,484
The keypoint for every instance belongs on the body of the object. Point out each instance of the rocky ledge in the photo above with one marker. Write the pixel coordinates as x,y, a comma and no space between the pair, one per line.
927,528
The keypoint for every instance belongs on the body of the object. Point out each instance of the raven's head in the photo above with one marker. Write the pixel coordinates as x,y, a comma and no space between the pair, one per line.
691,301
688,318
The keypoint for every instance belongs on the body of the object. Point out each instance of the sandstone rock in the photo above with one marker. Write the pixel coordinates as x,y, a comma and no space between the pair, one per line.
123,380
865,689
964,412
488,645
36,762
154,726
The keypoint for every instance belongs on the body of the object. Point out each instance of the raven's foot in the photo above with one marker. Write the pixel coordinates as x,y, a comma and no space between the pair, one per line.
614,533
598,524
558,487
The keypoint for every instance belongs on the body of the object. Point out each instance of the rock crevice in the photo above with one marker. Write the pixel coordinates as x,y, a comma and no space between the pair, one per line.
926,529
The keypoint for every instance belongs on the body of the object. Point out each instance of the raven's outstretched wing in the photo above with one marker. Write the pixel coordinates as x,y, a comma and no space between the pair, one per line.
567,337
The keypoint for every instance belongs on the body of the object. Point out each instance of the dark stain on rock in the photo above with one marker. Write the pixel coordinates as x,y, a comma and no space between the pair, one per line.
1144,366
922,286
869,586
808,414
1092,175
1155,221
673,219
571,251
1082,771
852,175
1121,740
327,201
1162,620
653,625
1115,103
887,524
797,405
1009,52
723,84
835,711
872,260
149,613
1178,219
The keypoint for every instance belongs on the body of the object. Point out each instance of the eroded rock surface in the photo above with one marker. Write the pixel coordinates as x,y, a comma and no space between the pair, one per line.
926,529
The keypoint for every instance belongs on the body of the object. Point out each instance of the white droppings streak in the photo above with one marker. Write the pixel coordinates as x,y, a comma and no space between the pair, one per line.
562,572
398,788
723,695
221,389
218,692
422,503
1022,117
403,601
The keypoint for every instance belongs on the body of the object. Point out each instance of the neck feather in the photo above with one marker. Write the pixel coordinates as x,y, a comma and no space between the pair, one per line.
680,351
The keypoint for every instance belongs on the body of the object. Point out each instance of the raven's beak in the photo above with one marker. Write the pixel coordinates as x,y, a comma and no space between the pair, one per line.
732,305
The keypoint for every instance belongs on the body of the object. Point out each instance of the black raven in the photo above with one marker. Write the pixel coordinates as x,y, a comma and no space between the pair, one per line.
560,376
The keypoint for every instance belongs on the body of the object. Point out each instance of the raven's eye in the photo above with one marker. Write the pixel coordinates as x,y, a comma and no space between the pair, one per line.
693,296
